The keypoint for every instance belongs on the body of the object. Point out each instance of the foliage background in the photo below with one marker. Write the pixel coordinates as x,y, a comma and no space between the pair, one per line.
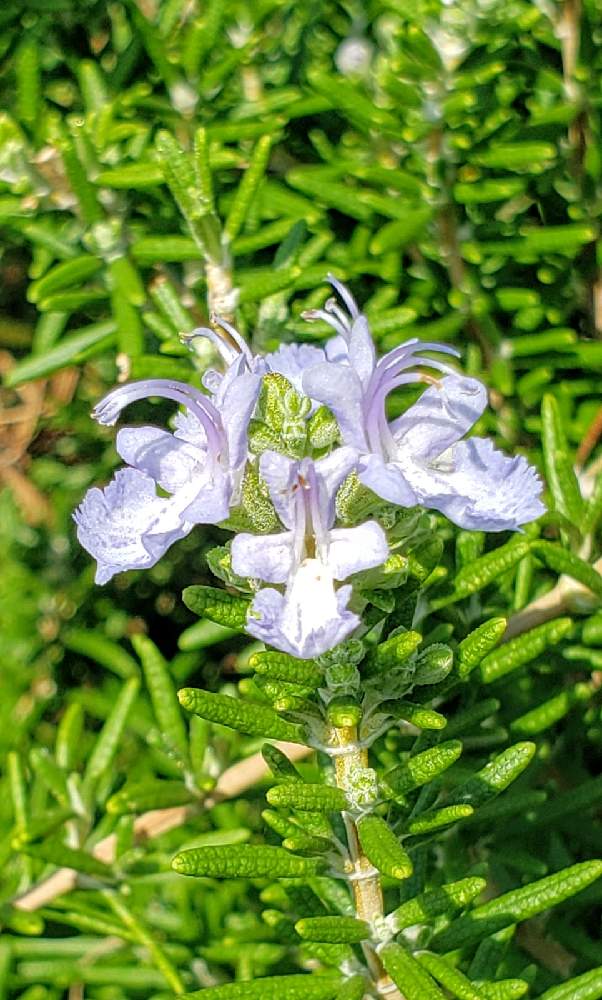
446,163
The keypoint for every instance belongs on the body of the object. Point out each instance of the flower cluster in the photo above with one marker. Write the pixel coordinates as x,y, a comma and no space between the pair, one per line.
195,475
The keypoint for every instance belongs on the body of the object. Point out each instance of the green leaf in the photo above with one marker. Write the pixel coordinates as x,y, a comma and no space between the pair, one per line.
64,275
295,987
477,644
560,474
424,767
163,696
418,715
503,989
448,976
446,900
336,930
382,848
495,777
427,822
309,798
71,350
392,652
56,853
523,649
101,650
563,561
217,605
585,987
408,975
140,796
352,989
489,567
538,719
248,186
245,861
256,720
281,767
281,666
109,738
518,905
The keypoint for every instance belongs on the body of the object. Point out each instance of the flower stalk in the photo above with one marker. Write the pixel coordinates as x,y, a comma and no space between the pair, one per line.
364,878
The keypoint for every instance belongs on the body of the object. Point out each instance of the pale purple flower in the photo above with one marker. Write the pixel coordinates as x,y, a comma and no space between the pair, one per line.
198,466
312,614
418,459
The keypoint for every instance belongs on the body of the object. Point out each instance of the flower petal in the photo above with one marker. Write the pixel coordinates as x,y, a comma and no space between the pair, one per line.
330,473
263,557
281,475
362,353
387,480
166,459
480,488
339,387
442,415
292,360
126,525
236,399
309,619
351,550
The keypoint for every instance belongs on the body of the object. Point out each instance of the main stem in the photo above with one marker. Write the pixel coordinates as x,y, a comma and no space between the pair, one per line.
365,880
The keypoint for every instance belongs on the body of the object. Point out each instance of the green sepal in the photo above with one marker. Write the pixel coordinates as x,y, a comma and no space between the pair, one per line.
257,507
150,794
477,644
563,561
424,767
322,429
255,720
217,605
408,975
423,909
483,571
518,905
495,777
448,976
435,819
308,798
523,649
382,848
333,930
244,861
281,666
